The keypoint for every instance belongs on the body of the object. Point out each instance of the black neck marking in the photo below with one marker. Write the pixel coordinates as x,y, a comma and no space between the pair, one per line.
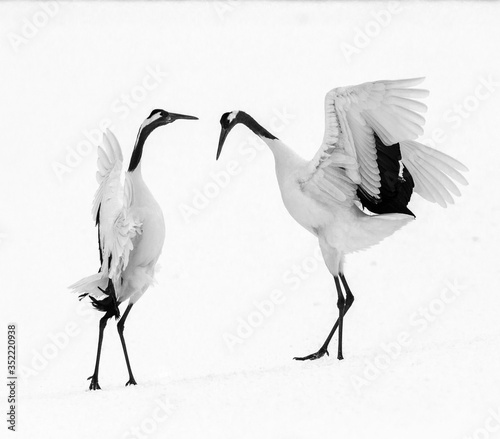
143,134
253,125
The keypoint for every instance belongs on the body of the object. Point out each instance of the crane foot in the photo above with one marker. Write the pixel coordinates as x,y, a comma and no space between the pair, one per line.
314,356
130,382
94,384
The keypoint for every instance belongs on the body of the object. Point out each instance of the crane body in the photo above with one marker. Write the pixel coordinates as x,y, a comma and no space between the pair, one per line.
131,233
355,191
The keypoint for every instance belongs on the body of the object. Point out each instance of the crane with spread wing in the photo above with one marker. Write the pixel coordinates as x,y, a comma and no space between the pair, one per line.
356,189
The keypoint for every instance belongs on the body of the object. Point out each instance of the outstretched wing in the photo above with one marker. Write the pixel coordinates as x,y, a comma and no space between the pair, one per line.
434,172
355,117
117,228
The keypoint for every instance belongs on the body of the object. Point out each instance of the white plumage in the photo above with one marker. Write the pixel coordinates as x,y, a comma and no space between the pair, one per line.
390,109
131,228
131,232
433,172
369,157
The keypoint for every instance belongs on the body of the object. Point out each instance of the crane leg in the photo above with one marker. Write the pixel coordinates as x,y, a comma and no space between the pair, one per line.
343,305
94,383
121,326
340,306
349,298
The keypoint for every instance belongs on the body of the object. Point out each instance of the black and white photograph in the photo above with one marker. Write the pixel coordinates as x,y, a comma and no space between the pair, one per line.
236,219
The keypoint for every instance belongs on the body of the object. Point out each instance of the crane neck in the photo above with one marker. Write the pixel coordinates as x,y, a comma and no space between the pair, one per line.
254,126
282,153
135,159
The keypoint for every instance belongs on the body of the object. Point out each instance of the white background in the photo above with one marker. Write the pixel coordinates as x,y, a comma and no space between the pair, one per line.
72,72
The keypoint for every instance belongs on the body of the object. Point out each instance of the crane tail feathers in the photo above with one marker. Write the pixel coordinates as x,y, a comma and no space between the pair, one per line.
109,304
100,290
93,285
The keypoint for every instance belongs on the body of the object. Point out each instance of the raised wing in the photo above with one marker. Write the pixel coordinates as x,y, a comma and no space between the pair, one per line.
117,227
348,155
433,172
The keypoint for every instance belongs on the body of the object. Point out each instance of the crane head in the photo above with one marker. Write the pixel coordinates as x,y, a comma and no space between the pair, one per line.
227,122
159,117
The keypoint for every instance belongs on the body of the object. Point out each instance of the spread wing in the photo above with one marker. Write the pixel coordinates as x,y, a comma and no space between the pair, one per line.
434,172
116,226
347,158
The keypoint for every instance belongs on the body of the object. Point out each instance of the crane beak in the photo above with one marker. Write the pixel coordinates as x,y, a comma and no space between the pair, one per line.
175,116
222,138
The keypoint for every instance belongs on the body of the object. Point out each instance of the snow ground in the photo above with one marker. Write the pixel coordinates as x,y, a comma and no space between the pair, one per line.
421,341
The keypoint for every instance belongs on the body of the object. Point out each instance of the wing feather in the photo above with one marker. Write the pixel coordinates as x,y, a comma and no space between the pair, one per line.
435,188
404,83
352,116
407,115
416,93
422,187
440,176
403,102
347,159
433,172
117,227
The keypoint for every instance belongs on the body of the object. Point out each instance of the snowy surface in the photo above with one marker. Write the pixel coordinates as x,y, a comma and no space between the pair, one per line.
429,295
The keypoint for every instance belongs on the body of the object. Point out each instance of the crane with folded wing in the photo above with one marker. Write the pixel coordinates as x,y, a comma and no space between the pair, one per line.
131,232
